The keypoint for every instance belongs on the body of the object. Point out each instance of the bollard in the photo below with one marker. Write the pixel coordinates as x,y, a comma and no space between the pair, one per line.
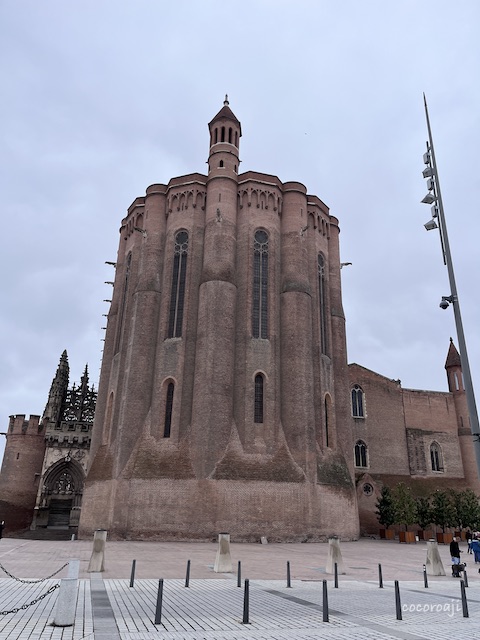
398,604
73,568
73,537
325,602
223,560
425,579
132,574
335,579
380,577
66,603
187,577
434,562
465,578
334,555
97,560
158,608
289,583
464,599
246,603
239,574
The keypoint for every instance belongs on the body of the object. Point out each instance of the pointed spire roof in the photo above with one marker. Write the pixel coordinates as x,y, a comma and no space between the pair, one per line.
453,357
226,112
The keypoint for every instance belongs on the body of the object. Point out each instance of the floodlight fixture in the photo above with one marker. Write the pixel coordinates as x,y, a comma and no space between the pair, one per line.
429,198
428,172
430,225
426,157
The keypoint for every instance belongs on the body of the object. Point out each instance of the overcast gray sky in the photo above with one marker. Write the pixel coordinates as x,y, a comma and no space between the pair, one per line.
102,99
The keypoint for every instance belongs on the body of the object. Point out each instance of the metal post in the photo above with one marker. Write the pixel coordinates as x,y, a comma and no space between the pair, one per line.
239,574
246,603
187,577
289,583
398,604
425,579
335,573
132,574
465,577
464,599
380,577
325,602
158,608
462,346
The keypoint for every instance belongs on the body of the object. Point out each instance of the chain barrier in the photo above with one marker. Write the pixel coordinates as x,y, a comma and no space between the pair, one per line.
33,581
25,606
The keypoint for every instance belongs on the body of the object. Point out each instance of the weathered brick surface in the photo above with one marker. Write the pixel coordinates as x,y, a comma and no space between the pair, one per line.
219,470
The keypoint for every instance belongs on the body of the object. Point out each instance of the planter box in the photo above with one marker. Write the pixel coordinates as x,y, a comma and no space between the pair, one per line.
444,538
406,536
425,534
390,534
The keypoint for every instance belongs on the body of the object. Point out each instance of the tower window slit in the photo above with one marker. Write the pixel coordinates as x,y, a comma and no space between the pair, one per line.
168,410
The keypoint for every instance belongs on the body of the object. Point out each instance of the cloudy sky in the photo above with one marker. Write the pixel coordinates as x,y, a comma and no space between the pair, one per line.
101,99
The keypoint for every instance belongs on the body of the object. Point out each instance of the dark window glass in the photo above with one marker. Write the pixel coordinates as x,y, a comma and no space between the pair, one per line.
260,285
357,402
258,411
436,457
124,302
360,454
177,295
322,299
168,410
326,422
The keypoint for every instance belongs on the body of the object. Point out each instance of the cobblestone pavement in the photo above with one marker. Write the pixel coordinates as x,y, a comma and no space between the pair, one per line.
211,608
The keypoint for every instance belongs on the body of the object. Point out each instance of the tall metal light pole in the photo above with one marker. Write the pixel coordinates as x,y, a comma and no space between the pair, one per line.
434,197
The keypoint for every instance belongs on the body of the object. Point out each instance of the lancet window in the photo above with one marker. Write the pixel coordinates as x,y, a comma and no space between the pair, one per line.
177,295
322,298
260,285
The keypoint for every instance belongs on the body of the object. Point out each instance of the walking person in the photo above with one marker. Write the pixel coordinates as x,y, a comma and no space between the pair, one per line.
455,555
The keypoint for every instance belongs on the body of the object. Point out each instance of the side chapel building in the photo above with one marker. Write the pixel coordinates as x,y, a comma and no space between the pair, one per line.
225,401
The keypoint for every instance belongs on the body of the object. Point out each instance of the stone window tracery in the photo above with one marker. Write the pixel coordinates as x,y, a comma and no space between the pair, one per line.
177,295
260,285
322,299
358,410
361,454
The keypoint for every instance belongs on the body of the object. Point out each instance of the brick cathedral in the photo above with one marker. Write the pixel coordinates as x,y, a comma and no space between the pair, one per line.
225,400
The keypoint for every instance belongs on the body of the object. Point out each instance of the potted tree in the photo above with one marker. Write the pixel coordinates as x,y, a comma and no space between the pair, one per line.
386,513
405,511
443,515
470,511
424,517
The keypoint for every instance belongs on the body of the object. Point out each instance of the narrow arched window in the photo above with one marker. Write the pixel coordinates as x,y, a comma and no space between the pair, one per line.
221,163
436,457
222,139
322,300
326,422
357,402
168,410
177,295
258,408
236,138
360,454
260,285
124,302
216,136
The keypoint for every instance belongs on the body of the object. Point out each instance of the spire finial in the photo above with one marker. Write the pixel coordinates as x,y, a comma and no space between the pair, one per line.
225,102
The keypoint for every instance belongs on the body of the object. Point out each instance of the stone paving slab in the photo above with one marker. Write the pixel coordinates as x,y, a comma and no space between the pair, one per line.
212,610
107,608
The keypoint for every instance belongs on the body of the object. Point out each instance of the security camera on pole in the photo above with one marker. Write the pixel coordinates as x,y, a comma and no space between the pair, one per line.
434,197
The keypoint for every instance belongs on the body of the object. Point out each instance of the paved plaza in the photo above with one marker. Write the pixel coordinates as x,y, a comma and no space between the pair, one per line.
211,608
